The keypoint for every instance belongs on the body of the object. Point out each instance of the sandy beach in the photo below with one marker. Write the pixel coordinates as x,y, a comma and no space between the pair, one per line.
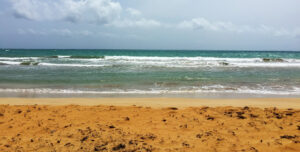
149,76
146,124
158,102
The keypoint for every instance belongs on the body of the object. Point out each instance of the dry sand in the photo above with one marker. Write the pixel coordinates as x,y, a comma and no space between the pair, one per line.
150,125
159,102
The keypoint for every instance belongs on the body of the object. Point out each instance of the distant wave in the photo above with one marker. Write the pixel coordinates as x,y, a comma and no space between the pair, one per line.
204,61
72,65
19,58
142,61
87,57
77,57
49,64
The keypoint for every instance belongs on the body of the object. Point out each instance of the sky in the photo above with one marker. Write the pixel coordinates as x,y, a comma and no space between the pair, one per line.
151,24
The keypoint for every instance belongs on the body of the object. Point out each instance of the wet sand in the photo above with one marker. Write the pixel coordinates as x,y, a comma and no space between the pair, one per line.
140,124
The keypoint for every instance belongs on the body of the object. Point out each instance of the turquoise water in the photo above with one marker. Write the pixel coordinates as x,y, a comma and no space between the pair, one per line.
158,53
148,72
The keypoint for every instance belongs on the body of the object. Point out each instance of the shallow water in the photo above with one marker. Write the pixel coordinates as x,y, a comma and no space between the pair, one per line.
134,73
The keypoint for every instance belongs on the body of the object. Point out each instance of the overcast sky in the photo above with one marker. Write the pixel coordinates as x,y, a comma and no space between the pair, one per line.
151,24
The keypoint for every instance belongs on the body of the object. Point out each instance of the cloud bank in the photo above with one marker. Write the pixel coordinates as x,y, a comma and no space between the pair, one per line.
65,32
136,23
93,11
133,12
111,14
220,26
100,12
55,31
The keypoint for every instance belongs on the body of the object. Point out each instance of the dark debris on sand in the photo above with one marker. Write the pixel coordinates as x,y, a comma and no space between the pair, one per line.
172,129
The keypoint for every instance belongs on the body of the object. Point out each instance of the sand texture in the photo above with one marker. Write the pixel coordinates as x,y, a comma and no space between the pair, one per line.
136,128
159,102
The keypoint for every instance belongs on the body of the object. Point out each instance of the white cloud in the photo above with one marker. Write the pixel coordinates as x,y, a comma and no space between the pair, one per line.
65,32
92,11
133,12
120,36
62,32
30,9
109,13
204,24
109,35
101,12
285,32
55,31
198,23
31,31
142,22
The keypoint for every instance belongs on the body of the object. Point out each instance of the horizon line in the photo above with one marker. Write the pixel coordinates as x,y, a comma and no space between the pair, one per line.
271,50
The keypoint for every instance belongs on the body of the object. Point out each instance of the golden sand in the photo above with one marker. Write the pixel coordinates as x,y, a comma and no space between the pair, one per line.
149,125
159,102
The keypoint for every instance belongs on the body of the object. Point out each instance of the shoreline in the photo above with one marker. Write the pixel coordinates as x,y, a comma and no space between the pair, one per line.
158,102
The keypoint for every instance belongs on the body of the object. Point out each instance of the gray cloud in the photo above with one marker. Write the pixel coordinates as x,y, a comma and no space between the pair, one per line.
180,24
94,11
101,12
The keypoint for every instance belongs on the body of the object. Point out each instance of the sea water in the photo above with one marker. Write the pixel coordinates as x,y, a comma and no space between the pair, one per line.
151,73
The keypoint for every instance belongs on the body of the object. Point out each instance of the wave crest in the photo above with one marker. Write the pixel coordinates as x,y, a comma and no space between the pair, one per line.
164,62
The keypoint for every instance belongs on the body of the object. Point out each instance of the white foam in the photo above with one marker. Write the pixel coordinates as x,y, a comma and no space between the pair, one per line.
168,62
72,65
195,62
18,58
63,56
11,62
183,90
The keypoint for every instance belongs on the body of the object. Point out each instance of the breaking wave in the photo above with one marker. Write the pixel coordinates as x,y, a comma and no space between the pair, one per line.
141,61
182,90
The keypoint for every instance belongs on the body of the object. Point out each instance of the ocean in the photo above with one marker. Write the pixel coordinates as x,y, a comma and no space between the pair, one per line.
149,73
